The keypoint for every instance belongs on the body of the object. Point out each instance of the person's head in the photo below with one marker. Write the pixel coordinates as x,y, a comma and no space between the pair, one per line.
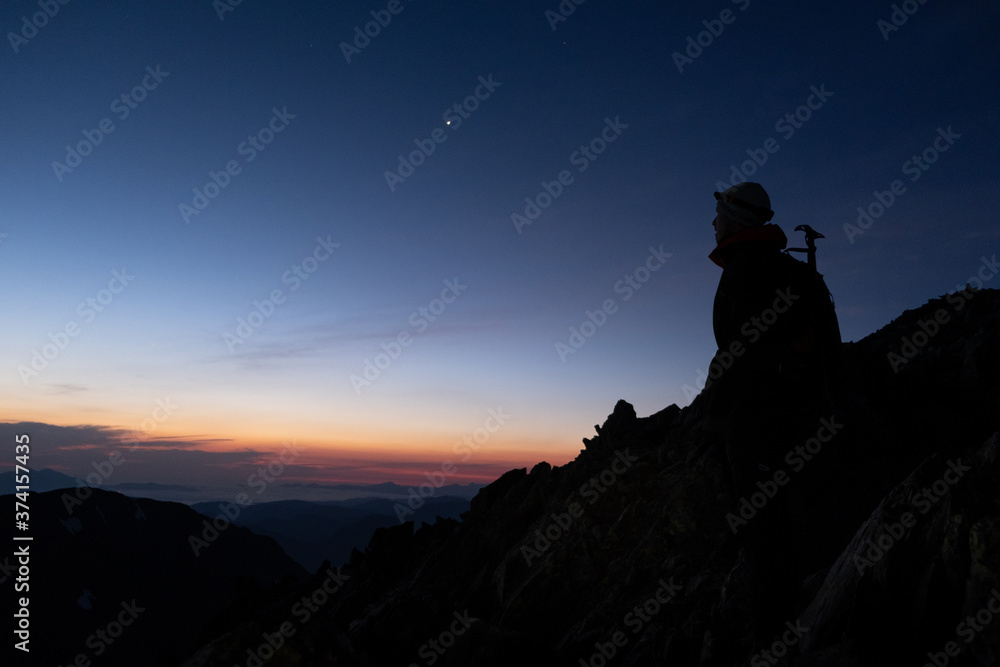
741,206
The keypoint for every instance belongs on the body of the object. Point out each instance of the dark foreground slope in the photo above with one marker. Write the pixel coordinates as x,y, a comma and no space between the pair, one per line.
624,556
114,580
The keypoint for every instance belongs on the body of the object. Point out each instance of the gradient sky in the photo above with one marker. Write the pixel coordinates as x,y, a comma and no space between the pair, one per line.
160,338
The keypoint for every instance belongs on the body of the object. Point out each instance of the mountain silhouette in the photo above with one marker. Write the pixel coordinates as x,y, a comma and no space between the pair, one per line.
625,555
117,580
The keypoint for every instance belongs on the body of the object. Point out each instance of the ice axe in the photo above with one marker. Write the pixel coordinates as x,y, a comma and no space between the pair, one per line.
810,249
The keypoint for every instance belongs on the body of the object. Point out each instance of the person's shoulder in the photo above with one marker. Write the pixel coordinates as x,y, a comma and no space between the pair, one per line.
794,271
759,258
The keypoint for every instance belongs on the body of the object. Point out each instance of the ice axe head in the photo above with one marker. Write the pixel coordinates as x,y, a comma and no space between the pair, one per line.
811,234
810,249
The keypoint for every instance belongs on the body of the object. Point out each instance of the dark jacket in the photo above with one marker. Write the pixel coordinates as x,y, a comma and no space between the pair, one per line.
765,331
751,275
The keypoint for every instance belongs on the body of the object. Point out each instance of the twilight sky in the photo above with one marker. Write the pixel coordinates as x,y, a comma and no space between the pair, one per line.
225,228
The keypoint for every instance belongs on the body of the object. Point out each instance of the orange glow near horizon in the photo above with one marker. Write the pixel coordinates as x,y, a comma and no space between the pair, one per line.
374,455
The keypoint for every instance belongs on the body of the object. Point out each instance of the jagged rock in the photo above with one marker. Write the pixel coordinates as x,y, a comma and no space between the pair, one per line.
541,470
624,428
928,553
495,492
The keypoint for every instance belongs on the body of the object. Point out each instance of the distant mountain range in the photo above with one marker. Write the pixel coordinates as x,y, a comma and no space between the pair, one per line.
393,490
315,532
309,532
41,481
49,480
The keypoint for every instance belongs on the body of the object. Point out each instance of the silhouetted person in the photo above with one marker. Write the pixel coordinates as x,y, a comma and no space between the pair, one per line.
768,387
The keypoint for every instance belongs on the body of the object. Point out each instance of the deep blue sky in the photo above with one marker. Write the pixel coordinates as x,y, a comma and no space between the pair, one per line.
324,177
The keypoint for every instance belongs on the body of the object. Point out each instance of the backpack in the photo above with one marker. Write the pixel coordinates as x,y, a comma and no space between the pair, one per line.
814,350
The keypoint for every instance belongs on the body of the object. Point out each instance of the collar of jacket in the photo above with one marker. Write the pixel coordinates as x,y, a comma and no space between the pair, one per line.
766,235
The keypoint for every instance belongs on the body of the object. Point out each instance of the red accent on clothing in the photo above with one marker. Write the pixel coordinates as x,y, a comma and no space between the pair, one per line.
767,234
